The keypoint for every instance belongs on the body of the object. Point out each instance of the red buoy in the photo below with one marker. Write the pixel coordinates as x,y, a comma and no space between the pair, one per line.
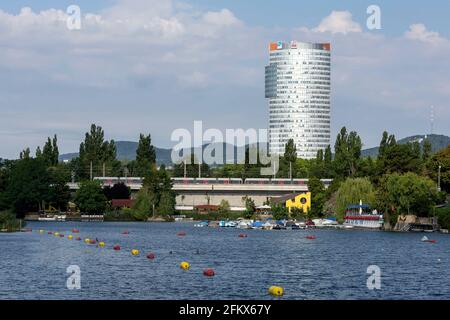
117,247
208,272
75,231
92,241
126,232
61,236
49,232
242,235
310,237
181,234
151,256
78,238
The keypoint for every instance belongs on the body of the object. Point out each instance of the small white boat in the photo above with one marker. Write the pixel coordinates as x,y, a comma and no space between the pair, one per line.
228,224
201,224
244,224
47,218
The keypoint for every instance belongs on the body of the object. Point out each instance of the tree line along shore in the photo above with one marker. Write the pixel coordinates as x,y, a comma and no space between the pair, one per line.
402,179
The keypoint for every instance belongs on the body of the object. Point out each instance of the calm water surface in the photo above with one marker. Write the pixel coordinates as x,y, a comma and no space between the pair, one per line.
33,265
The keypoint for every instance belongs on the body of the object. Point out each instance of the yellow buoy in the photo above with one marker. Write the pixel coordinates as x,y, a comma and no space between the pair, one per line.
41,231
70,237
185,265
101,244
87,240
56,234
276,291
135,252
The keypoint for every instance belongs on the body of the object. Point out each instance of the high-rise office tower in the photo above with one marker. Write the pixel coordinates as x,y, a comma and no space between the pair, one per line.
298,91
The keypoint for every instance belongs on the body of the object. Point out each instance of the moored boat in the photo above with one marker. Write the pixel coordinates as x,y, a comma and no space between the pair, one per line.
360,216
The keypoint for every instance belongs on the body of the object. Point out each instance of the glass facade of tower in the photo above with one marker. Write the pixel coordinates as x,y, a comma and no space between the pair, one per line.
297,86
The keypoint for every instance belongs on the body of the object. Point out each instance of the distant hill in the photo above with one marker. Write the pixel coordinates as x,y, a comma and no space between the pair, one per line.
437,141
126,150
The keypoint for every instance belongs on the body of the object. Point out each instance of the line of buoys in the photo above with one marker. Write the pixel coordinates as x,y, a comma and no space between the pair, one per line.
310,237
276,291
208,272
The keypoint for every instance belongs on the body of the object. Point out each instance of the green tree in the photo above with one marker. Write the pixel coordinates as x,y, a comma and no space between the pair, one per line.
408,193
351,191
58,193
28,185
290,154
224,206
50,152
97,152
426,155
296,213
166,204
442,159
250,207
318,196
25,154
145,155
117,191
347,153
144,204
279,212
89,198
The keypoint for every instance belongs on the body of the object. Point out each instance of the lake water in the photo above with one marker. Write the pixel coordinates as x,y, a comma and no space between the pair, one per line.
333,266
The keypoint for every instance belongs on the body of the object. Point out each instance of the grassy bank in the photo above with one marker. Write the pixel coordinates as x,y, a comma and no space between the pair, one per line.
131,215
9,222
443,215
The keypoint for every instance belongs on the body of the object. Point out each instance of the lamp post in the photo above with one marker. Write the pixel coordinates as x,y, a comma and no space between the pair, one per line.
439,178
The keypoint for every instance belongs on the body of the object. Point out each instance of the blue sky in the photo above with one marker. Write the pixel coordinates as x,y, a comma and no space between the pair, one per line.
154,66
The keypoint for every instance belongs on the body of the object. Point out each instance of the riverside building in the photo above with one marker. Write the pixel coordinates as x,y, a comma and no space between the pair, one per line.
297,86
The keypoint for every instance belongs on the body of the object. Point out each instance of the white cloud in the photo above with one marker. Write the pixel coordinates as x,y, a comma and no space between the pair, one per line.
338,22
419,32
146,61
221,18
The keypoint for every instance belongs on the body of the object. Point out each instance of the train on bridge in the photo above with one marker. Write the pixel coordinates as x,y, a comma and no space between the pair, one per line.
234,181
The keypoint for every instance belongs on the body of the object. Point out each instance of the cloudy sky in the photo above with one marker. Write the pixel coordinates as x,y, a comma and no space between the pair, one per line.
154,66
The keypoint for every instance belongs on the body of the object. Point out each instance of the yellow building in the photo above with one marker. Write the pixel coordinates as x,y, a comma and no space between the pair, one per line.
296,200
